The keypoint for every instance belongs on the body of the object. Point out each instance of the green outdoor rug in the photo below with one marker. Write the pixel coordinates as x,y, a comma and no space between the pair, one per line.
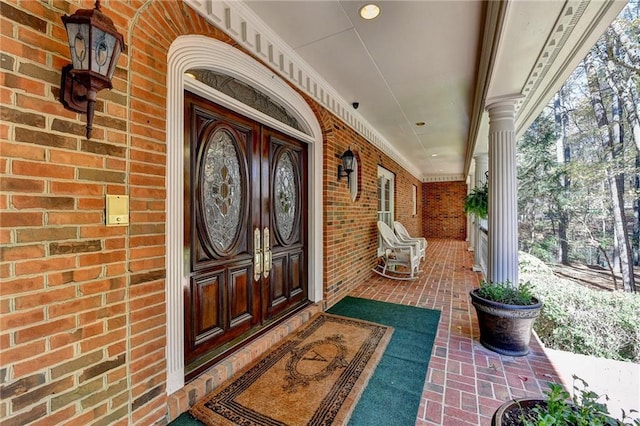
392,397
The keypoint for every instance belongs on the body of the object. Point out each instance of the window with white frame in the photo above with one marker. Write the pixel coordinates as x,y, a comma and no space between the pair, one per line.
414,199
386,184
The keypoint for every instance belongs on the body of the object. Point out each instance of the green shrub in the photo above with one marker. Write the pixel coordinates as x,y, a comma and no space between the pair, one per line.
581,320
507,293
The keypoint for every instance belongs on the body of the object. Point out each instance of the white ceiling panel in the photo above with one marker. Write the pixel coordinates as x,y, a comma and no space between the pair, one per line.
299,23
342,61
431,61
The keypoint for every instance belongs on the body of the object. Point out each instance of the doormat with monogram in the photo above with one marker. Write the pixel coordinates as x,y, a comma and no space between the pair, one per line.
314,378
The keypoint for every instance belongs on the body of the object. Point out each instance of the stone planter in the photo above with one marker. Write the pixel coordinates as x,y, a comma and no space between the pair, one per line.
512,413
508,414
505,329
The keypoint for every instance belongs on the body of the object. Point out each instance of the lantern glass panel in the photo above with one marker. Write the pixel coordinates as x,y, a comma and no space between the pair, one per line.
347,163
78,43
117,49
102,45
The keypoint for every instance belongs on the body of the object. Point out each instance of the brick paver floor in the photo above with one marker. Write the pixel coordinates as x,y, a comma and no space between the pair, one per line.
465,382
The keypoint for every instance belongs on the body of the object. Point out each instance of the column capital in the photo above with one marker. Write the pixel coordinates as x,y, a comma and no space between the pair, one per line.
481,160
502,101
502,112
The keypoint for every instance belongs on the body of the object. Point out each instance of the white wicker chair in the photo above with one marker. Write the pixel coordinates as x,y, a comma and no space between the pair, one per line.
403,235
397,254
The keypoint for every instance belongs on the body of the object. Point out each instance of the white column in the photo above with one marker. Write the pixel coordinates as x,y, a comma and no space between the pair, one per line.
482,165
502,262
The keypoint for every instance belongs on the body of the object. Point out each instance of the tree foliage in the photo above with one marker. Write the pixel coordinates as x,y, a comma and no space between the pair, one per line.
578,164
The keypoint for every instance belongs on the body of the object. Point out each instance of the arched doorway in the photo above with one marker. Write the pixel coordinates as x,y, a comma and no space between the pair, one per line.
188,52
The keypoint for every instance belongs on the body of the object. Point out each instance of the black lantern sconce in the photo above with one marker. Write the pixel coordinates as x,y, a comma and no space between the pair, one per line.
95,46
348,160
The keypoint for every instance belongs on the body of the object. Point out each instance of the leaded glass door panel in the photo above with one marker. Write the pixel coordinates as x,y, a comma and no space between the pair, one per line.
222,299
245,229
286,186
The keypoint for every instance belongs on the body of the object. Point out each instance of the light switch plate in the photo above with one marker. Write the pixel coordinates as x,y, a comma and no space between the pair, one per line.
117,213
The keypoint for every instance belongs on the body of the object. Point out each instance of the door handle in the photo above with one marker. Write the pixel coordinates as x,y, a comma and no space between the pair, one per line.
257,255
266,252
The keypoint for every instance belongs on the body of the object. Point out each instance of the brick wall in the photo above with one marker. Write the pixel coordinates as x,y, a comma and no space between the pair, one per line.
350,231
82,305
404,195
443,215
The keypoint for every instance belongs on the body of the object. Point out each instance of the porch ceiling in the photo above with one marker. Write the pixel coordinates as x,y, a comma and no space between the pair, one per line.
432,61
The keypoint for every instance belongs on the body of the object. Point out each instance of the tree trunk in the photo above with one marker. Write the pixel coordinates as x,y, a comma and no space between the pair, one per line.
622,71
563,157
611,134
611,271
636,215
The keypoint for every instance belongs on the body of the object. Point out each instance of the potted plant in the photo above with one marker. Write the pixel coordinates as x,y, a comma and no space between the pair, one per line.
558,408
477,201
506,314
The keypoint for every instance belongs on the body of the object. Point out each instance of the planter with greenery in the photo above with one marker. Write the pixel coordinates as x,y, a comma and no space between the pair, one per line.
477,202
558,408
506,314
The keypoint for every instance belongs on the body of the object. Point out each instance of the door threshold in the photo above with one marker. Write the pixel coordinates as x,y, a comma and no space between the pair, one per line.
234,361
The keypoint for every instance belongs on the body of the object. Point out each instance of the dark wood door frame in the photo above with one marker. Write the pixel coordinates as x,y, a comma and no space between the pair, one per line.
226,300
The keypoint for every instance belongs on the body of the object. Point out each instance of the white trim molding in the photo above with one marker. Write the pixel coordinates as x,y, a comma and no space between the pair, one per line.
194,51
239,22
579,25
443,178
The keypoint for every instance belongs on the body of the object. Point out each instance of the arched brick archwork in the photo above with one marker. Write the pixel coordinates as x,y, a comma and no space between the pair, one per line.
152,29
155,96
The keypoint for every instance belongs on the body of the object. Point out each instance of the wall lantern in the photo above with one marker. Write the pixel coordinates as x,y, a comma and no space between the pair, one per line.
95,46
345,169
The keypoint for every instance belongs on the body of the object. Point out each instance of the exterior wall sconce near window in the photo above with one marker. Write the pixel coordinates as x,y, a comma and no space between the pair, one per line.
345,169
95,46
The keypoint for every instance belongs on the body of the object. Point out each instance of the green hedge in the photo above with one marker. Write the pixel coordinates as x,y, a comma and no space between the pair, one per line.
583,320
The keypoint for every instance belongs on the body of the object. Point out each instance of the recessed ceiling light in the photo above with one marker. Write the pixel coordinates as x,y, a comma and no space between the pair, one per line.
420,123
369,11
190,75
434,155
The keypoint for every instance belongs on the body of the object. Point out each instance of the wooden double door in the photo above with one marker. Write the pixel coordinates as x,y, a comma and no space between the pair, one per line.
245,228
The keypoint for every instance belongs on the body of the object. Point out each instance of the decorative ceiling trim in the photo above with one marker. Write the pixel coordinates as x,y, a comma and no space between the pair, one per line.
571,15
494,14
444,178
577,27
245,27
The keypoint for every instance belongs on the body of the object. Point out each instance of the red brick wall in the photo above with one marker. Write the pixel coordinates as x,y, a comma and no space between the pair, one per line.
443,215
82,305
83,323
404,196
350,231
